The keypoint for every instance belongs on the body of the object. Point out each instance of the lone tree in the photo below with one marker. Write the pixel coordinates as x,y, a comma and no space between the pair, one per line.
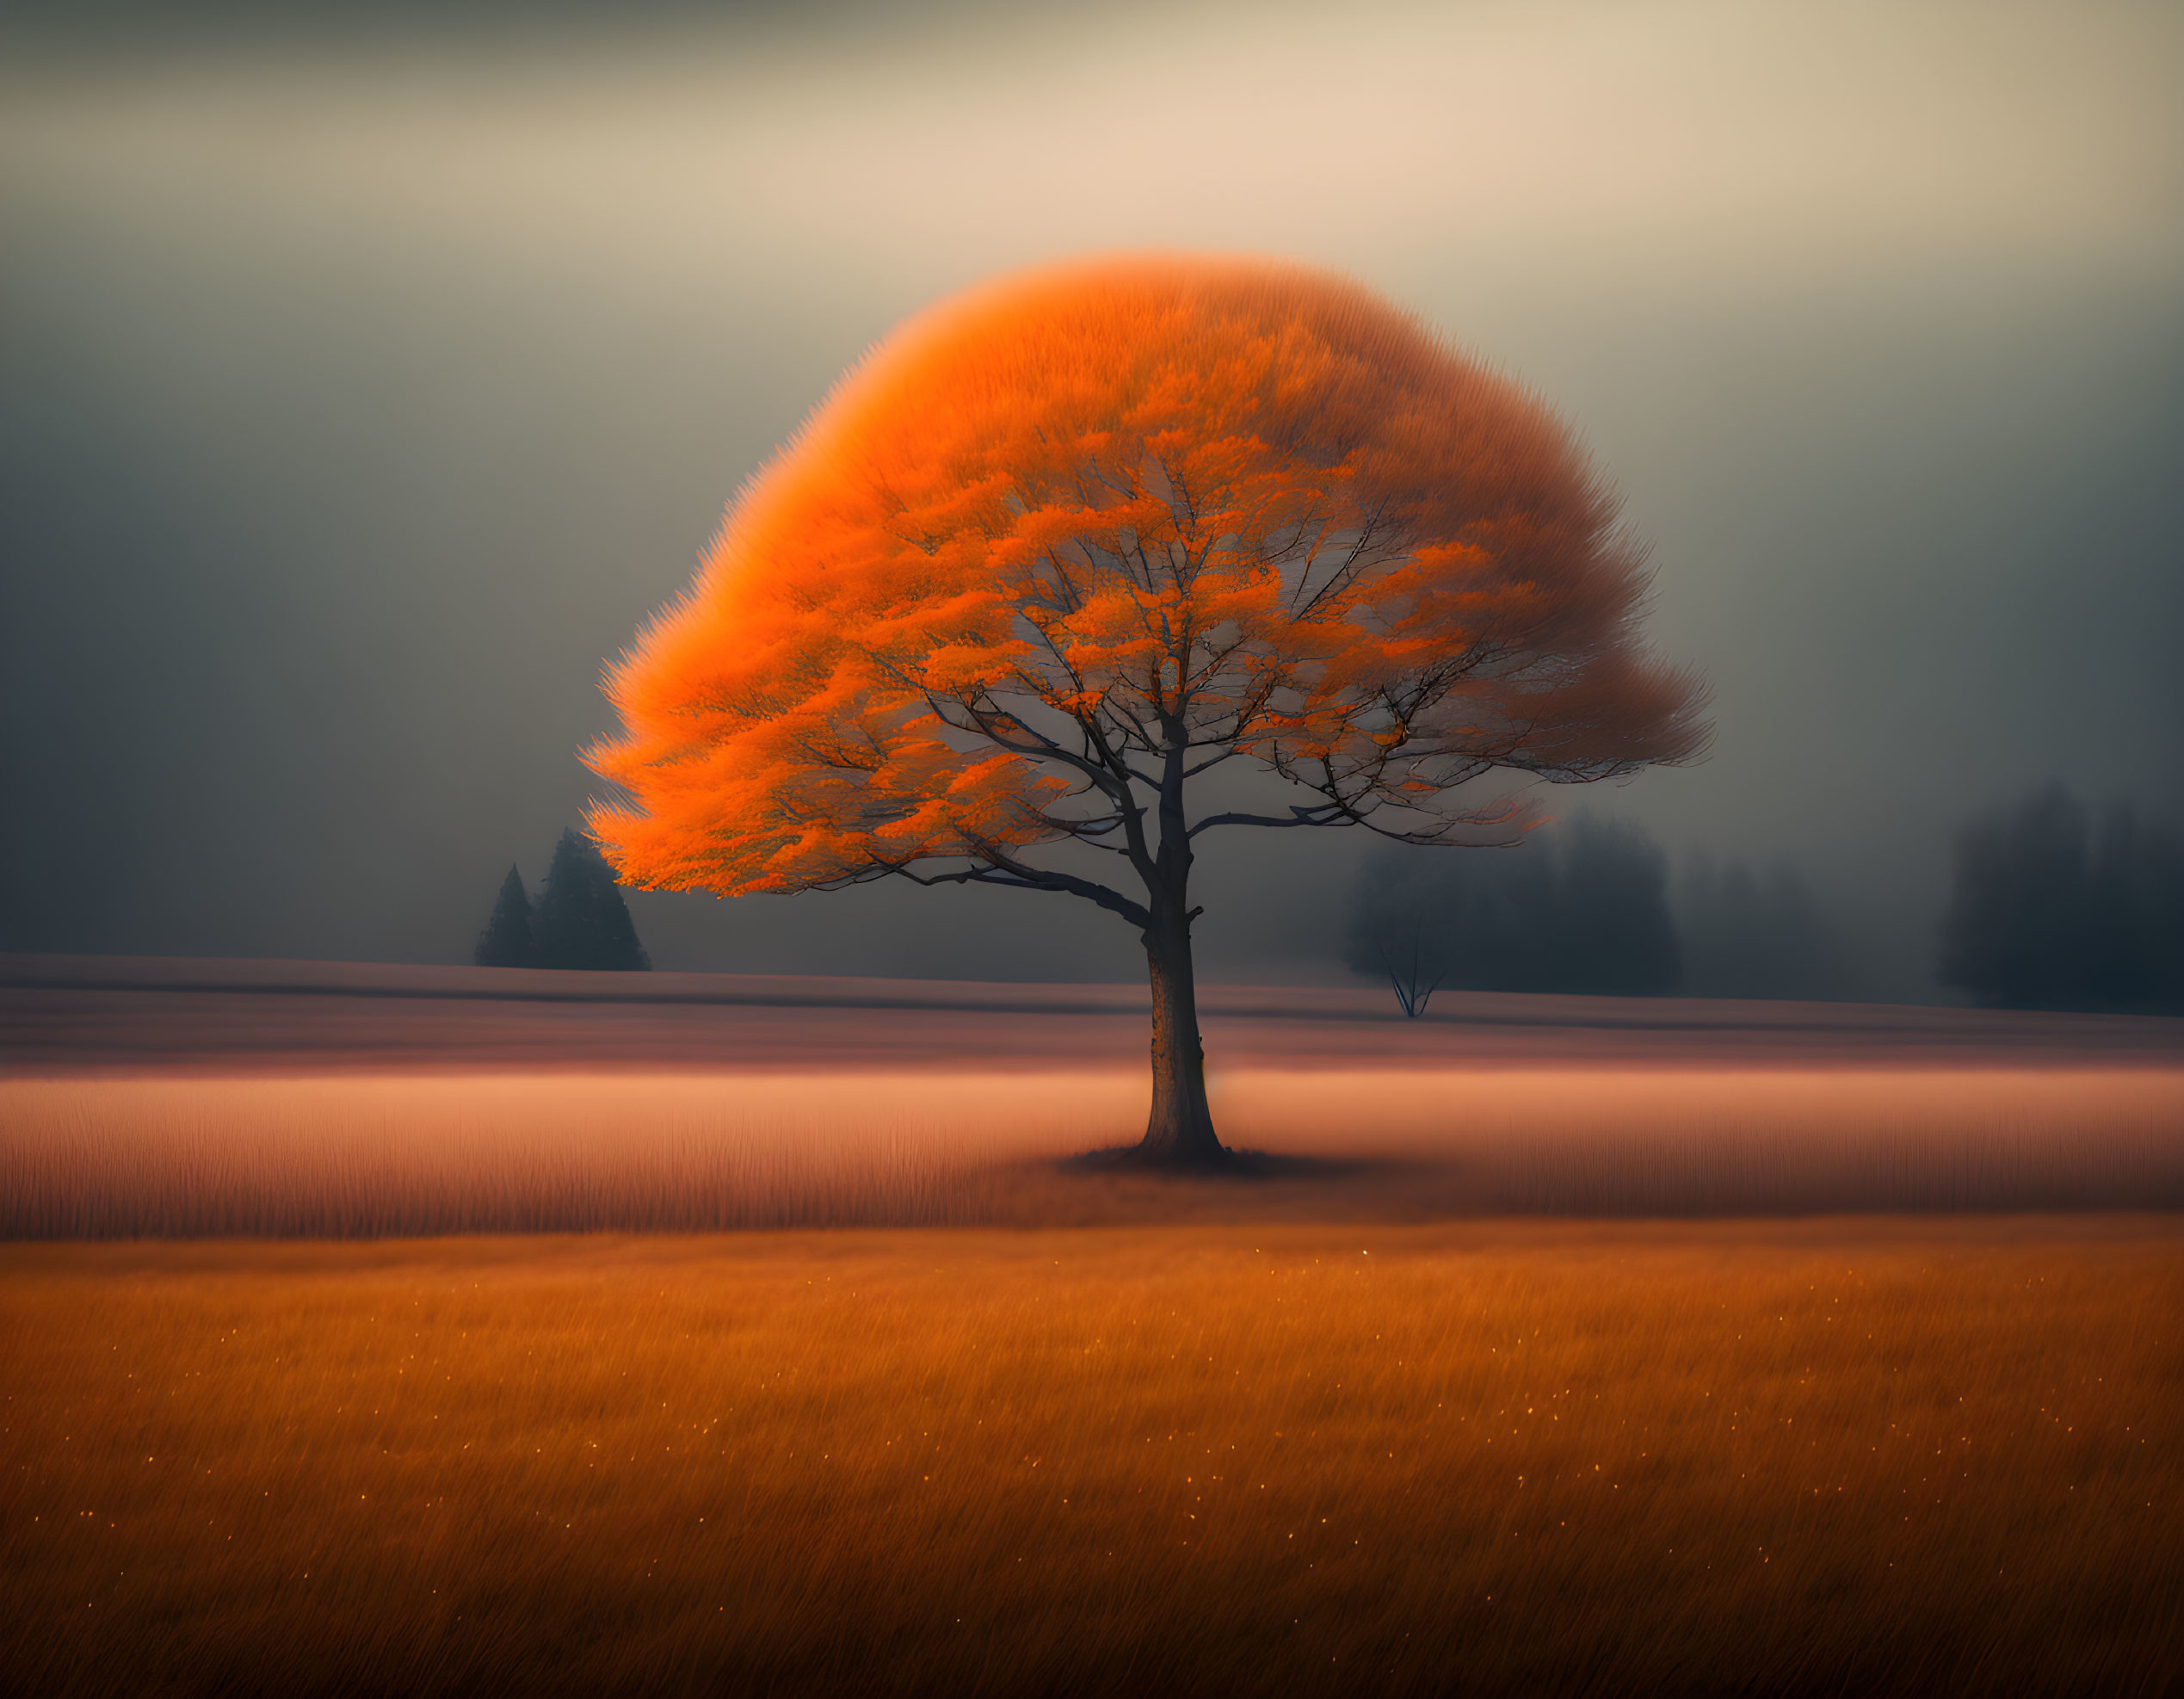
506,940
583,920
1061,548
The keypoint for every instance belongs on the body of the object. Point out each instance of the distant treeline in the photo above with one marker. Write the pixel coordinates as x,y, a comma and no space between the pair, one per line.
2048,910
1588,907
579,920
2052,911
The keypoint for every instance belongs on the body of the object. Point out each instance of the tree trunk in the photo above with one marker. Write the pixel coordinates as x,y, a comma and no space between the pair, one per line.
1179,1134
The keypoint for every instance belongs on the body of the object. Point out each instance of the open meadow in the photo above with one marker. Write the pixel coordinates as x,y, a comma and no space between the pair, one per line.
372,1331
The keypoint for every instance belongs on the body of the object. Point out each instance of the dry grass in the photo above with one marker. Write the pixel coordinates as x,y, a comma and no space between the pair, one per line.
424,1153
1890,1456
354,1155
1286,1436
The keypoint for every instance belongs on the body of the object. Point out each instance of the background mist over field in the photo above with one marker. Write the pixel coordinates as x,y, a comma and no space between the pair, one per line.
367,378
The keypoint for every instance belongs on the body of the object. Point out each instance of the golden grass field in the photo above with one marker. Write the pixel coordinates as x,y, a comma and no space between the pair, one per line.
1839,1456
388,1330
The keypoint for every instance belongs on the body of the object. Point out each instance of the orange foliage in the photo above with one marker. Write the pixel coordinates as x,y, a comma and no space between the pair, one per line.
1078,535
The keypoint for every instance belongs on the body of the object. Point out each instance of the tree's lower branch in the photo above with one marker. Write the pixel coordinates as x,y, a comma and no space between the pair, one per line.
1325,814
1015,875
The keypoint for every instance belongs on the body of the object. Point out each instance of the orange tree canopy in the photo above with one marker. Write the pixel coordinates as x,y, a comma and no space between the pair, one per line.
1079,534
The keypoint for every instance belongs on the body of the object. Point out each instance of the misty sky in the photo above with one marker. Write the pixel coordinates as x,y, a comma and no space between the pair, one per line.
364,385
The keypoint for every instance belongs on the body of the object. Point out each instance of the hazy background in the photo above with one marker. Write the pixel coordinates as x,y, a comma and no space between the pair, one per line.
367,378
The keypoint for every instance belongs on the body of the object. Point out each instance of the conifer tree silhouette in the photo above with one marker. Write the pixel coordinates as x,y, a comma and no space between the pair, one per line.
582,920
506,941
